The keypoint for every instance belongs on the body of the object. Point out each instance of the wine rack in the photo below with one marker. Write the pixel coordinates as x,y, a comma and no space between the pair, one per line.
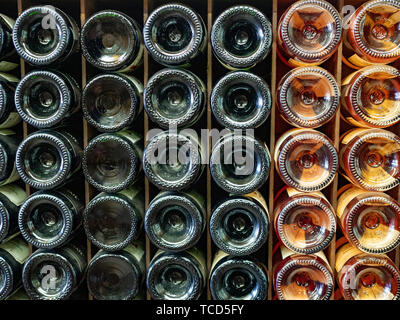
272,69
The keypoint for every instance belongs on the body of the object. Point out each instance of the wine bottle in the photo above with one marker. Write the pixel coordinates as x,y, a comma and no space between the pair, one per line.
177,276
8,115
11,198
309,32
302,277
369,158
9,141
173,161
175,221
174,97
174,35
241,100
239,224
7,49
241,37
49,219
113,221
308,97
45,98
363,276
112,41
239,163
306,159
370,220
372,35
238,278
111,162
370,97
13,255
47,159
45,35
111,102
54,274
117,275
304,222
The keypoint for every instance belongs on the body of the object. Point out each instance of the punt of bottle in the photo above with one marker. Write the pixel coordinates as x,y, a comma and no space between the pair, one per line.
239,224
7,48
370,97
309,32
241,37
45,35
177,276
49,219
306,159
238,278
239,164
47,159
175,221
111,102
117,275
308,97
113,221
304,222
173,161
174,34
8,115
369,158
9,141
302,277
366,276
241,100
111,162
372,35
112,41
174,98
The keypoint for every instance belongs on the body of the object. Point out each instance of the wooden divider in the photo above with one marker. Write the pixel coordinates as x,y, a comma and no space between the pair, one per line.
209,70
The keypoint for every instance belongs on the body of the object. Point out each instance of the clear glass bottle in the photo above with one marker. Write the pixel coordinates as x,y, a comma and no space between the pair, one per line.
8,115
7,49
113,221
111,162
112,102
177,276
11,198
9,141
372,35
47,159
369,158
308,97
238,278
117,275
304,222
239,163
370,97
369,220
239,224
173,161
241,100
363,276
175,221
241,37
49,219
174,34
13,255
45,98
302,277
45,35
306,159
112,41
54,274
174,97
309,32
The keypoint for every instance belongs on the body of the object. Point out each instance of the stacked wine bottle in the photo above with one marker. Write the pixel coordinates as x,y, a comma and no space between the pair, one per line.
193,151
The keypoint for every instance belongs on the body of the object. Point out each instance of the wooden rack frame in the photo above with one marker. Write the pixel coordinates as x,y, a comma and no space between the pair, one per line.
210,70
